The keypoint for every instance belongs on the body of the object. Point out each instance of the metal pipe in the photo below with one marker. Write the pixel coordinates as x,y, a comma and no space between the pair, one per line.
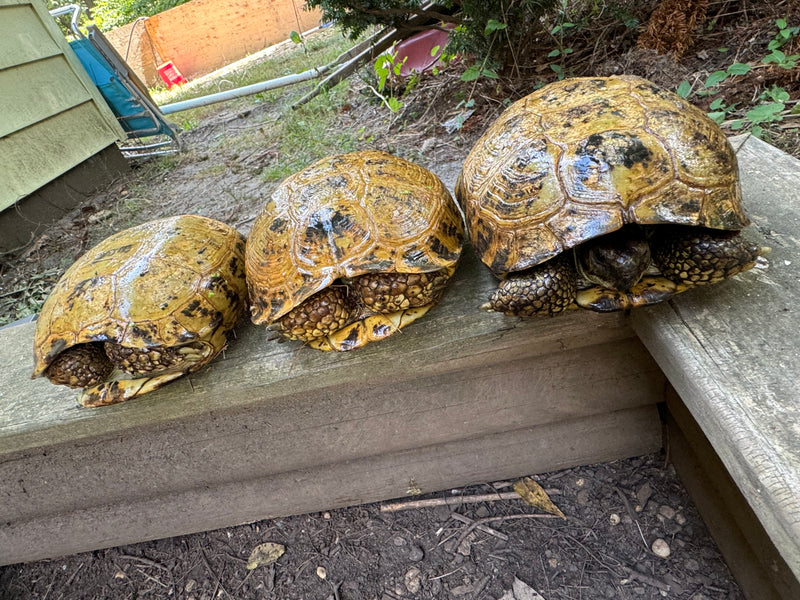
246,90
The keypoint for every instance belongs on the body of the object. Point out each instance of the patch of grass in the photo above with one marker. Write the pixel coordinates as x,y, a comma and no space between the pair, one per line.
308,133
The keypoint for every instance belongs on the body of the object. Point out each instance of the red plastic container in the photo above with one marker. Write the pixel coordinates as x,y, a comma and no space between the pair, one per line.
170,74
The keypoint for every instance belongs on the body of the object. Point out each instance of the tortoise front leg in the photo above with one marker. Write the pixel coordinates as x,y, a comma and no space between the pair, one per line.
546,289
79,366
699,256
151,368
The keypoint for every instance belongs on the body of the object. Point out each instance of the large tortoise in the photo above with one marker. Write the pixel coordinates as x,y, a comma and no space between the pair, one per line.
142,308
352,249
607,193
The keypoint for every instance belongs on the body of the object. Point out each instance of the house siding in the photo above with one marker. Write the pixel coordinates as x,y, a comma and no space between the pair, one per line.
52,117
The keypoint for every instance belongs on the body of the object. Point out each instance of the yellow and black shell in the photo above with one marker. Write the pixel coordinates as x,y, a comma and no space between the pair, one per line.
345,216
582,157
162,284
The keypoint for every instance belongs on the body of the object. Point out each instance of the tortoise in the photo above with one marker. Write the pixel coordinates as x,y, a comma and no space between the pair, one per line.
602,193
143,307
352,249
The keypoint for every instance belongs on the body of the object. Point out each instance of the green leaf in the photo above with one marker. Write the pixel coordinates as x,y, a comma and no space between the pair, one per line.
491,74
295,37
558,70
469,103
737,124
472,73
764,113
684,89
722,50
718,116
394,104
738,69
492,26
715,78
776,56
717,104
435,50
757,131
778,94
781,23
554,53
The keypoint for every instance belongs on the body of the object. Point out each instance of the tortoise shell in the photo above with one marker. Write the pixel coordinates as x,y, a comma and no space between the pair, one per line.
582,157
162,283
344,216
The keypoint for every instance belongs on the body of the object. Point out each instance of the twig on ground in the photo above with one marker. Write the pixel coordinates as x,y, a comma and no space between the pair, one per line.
72,577
144,561
483,528
480,522
626,503
151,578
648,579
214,575
452,501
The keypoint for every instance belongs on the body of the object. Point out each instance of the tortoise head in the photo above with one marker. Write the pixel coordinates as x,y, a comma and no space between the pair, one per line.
616,261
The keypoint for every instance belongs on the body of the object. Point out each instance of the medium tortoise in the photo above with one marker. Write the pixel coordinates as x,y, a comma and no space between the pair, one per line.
642,186
352,249
142,308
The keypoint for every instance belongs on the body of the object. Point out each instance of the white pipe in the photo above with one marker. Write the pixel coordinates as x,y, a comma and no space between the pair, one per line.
246,90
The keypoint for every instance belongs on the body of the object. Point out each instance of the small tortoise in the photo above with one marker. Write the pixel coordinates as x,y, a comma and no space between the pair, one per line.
142,308
352,249
640,185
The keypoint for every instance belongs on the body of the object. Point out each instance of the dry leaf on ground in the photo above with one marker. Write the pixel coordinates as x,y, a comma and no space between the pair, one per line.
265,554
532,493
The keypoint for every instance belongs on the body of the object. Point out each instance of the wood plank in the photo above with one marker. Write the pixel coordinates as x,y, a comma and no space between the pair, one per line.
731,352
35,91
22,37
390,475
457,376
756,564
36,155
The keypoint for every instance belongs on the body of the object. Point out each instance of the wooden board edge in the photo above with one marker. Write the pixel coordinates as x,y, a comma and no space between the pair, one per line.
755,562
588,440
753,466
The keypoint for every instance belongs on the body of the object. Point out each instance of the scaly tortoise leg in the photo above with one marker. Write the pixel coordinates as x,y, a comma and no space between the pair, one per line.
699,256
546,289
389,302
149,368
362,309
686,257
80,366
318,316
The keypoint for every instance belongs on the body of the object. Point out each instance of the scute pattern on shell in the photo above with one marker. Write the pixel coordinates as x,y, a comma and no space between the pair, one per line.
161,283
584,156
344,216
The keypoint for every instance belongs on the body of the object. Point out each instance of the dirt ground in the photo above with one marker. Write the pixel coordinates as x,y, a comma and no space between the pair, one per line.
614,511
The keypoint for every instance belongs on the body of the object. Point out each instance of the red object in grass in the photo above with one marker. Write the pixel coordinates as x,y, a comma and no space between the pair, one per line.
170,74
421,51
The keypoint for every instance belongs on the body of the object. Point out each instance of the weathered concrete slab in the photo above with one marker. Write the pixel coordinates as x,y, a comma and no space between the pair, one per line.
733,355
270,429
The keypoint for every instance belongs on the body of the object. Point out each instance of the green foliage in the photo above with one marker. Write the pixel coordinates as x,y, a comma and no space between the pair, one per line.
108,14
386,68
488,29
785,35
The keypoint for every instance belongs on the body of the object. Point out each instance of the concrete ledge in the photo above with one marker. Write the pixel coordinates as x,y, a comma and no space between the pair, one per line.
732,353
461,396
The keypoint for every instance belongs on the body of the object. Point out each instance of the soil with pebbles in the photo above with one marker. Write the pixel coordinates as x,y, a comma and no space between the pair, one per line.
616,515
